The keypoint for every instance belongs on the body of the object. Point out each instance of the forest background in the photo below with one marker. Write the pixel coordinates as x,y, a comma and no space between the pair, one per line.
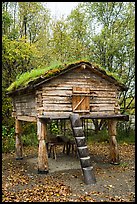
100,32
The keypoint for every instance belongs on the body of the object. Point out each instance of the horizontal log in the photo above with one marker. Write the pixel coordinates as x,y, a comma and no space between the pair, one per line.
81,111
76,75
25,99
58,93
57,107
68,107
26,118
99,109
57,99
20,113
100,94
66,115
106,116
69,85
104,105
23,108
55,115
103,102
64,99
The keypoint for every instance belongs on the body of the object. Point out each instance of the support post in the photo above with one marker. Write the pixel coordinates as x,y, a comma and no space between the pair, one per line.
18,144
114,153
42,150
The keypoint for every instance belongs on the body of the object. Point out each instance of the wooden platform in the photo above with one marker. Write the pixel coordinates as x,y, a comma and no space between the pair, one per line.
88,116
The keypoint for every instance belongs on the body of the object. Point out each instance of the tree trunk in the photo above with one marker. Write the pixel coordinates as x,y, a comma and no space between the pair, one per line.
42,150
114,153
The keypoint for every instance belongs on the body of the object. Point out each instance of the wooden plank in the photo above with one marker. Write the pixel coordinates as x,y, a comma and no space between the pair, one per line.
93,115
58,107
57,99
101,108
64,99
26,118
56,102
100,94
102,105
80,90
87,104
69,85
81,111
80,102
78,77
102,102
58,93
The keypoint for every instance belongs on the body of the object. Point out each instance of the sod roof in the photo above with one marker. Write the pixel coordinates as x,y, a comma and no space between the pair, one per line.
35,77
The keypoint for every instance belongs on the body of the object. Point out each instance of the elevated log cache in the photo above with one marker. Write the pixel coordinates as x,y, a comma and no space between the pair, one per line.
80,88
85,161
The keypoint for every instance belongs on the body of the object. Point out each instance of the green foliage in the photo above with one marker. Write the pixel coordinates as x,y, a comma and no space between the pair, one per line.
29,134
8,139
54,128
18,56
124,134
28,137
101,136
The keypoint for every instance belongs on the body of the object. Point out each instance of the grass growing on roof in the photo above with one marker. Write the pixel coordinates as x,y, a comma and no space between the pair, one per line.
26,77
51,70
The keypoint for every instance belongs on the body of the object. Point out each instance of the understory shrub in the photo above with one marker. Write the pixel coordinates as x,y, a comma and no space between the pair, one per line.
8,139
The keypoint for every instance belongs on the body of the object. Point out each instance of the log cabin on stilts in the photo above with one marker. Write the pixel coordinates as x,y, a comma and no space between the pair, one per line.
70,91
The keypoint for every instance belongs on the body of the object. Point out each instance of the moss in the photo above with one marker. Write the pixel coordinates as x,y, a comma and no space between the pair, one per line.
54,68
29,76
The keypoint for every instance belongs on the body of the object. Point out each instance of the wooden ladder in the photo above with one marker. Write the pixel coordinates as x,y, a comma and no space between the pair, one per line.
85,161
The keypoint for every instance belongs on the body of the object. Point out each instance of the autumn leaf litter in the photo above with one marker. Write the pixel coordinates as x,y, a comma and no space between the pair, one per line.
22,183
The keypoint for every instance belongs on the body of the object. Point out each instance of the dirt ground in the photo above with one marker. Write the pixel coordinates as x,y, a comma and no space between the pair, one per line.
64,182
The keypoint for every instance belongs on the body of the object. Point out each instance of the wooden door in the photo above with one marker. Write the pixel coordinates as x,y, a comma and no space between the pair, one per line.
81,99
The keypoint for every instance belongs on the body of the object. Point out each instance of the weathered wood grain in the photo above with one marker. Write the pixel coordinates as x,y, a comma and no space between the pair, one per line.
42,151
26,118
114,153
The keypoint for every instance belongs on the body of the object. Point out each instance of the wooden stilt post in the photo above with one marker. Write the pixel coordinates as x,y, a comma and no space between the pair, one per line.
114,153
18,139
42,150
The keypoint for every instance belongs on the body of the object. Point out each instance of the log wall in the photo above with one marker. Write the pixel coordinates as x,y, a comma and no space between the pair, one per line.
25,105
55,97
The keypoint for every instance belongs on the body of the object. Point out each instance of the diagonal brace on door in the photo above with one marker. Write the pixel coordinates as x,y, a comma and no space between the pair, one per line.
79,103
